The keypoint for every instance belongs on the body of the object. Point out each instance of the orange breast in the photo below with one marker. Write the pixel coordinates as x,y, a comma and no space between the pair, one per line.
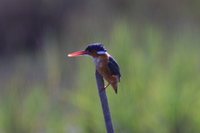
103,69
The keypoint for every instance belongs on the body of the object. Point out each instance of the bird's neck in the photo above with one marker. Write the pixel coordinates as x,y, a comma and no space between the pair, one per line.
100,58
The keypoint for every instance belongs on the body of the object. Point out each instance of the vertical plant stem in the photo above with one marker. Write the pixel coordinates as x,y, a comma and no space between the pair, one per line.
104,103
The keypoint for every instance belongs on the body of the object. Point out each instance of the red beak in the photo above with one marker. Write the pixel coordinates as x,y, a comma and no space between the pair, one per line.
78,53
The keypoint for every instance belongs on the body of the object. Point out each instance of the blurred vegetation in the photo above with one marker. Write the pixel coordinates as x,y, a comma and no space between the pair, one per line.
156,44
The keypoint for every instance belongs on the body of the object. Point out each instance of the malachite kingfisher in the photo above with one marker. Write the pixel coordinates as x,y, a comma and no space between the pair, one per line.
105,64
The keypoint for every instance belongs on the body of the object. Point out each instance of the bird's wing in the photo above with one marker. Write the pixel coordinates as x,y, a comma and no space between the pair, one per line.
113,66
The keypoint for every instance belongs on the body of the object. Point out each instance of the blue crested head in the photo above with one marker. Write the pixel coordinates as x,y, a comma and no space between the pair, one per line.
98,47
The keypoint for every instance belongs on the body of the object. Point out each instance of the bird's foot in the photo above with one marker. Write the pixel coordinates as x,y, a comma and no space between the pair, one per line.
103,89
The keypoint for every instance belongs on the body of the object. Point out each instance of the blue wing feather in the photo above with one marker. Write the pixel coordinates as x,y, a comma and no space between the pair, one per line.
113,66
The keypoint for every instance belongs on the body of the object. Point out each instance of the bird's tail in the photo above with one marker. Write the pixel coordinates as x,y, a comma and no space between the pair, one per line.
115,87
115,91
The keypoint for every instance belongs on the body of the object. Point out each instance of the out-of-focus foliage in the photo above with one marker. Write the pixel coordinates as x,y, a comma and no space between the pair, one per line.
155,43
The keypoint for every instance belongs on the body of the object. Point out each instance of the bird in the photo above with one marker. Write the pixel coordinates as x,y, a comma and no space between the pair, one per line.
105,64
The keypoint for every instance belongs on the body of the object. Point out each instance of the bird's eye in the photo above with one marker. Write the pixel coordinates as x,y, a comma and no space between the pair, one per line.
89,50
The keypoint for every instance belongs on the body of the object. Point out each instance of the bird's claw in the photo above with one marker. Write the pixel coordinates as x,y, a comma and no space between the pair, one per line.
103,89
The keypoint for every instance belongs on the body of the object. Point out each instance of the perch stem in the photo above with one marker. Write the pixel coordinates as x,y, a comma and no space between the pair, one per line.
104,103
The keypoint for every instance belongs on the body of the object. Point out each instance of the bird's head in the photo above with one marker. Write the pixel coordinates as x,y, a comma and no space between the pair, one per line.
94,50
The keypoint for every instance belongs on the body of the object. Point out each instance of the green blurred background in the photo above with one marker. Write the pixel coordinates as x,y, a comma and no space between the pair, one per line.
156,43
